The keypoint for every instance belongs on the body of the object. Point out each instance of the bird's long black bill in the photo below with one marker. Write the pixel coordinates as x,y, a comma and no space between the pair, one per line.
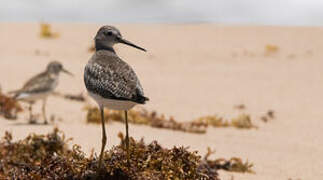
67,72
131,44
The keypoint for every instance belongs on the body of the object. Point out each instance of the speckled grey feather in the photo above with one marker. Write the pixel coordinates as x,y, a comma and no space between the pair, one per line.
112,78
40,83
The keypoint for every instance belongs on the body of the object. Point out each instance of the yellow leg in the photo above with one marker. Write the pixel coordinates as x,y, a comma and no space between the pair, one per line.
104,137
44,111
127,137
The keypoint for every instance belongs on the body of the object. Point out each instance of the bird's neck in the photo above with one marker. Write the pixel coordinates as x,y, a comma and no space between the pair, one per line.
99,46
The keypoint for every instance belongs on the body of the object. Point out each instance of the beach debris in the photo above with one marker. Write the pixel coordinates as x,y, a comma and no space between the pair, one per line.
240,107
271,49
142,116
242,121
49,157
268,116
264,119
213,120
77,97
271,114
234,164
93,116
153,119
9,107
46,31
74,97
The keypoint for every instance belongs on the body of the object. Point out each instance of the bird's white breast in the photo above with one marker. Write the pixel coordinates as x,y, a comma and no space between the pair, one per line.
111,103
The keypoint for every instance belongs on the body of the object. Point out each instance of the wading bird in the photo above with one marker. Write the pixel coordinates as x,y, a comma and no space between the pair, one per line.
40,87
110,81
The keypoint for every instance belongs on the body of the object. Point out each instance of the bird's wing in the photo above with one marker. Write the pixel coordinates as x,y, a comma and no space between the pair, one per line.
110,77
39,83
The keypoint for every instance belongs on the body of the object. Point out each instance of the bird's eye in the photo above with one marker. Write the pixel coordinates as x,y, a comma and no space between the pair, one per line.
109,33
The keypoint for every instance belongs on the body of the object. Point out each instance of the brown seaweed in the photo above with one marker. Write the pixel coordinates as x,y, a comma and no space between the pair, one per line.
9,107
142,116
48,157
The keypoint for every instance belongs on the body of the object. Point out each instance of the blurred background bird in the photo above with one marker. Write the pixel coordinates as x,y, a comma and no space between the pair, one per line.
40,87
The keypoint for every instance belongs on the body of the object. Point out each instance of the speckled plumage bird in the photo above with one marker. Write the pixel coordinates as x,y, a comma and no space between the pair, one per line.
110,81
40,87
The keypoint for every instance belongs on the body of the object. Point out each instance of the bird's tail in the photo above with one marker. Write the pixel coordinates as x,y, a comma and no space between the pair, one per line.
142,99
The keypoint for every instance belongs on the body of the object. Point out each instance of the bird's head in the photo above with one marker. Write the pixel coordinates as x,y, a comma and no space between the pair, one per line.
108,36
56,67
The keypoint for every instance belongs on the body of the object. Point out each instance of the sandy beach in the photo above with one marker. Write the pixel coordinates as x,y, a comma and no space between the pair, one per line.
191,71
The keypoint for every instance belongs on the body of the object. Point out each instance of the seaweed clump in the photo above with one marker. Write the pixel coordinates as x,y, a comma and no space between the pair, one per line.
213,120
242,121
9,107
234,164
142,116
28,158
48,157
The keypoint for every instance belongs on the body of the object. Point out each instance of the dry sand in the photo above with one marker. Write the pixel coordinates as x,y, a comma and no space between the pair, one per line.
190,71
